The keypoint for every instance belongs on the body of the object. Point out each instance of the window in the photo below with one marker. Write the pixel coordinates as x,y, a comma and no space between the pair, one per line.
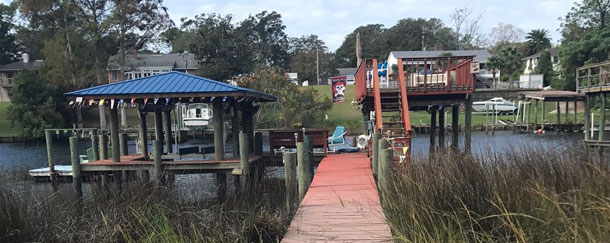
555,59
115,75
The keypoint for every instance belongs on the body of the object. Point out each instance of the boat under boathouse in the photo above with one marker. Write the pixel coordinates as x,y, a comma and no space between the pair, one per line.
160,94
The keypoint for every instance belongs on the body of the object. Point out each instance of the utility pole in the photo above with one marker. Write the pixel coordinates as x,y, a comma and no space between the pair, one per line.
317,66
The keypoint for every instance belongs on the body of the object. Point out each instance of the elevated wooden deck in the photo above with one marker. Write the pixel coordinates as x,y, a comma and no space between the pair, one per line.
341,205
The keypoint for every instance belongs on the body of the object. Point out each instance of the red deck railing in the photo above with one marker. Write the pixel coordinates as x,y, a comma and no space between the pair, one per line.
422,76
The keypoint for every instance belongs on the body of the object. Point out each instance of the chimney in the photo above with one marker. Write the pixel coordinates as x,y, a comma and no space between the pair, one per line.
25,57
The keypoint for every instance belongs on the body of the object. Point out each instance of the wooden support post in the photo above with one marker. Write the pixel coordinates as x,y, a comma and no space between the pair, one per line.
375,160
455,124
221,184
258,143
487,118
235,127
168,131
386,161
48,134
587,118
250,133
219,143
535,114
528,104
308,142
159,126
543,114
441,127
123,143
114,135
468,125
158,168
76,180
95,145
103,146
354,141
602,117
290,172
243,158
432,130
575,113
558,116
302,170
142,135
567,112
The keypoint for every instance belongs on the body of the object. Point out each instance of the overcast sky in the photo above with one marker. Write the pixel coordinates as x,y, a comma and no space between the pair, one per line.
332,20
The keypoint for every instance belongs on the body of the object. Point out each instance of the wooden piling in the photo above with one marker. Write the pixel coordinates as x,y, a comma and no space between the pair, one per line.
567,112
535,114
528,110
543,115
602,117
219,148
375,160
355,141
123,143
290,178
386,161
441,127
103,146
49,139
142,134
587,118
455,124
235,127
95,145
576,113
158,168
76,180
258,143
114,135
243,158
308,142
168,131
468,125
432,130
558,115
159,126
302,170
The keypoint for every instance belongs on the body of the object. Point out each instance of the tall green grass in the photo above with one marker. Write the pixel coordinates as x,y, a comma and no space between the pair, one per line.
521,195
141,213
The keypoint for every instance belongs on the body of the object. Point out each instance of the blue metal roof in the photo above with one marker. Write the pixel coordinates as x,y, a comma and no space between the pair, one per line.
171,84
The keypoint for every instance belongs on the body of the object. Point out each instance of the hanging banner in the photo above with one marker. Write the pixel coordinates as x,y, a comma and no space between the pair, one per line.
338,88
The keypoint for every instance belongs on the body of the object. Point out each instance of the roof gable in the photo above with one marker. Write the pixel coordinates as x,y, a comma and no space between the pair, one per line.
171,84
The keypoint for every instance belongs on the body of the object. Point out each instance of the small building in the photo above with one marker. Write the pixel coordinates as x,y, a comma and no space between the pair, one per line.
531,62
143,65
8,72
349,73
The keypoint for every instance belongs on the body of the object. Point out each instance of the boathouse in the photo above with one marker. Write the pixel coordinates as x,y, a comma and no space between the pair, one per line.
160,94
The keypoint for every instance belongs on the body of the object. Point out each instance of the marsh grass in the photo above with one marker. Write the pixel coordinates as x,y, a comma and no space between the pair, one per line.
141,213
522,195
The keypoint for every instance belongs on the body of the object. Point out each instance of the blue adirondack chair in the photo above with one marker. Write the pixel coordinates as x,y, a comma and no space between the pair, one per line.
338,136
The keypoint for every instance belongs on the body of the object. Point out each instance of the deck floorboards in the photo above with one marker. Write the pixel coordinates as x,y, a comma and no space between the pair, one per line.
341,205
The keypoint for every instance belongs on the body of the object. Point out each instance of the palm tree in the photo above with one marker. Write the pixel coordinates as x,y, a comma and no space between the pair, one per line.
537,40
494,63
511,61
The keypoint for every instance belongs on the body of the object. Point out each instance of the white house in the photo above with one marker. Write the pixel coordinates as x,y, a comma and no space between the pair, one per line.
531,62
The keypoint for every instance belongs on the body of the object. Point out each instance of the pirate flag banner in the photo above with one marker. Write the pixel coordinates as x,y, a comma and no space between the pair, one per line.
338,88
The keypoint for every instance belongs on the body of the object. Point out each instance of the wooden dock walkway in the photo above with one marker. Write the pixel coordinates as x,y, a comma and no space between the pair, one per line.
341,205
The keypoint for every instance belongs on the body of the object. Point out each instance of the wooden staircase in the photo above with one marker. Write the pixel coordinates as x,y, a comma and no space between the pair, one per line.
392,115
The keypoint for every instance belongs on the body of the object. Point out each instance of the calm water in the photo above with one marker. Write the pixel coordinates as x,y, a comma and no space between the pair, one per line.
23,157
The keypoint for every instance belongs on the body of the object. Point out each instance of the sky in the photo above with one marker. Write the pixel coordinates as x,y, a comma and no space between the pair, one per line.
332,20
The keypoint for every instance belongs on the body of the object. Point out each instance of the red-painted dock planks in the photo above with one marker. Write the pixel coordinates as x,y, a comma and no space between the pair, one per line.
341,205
